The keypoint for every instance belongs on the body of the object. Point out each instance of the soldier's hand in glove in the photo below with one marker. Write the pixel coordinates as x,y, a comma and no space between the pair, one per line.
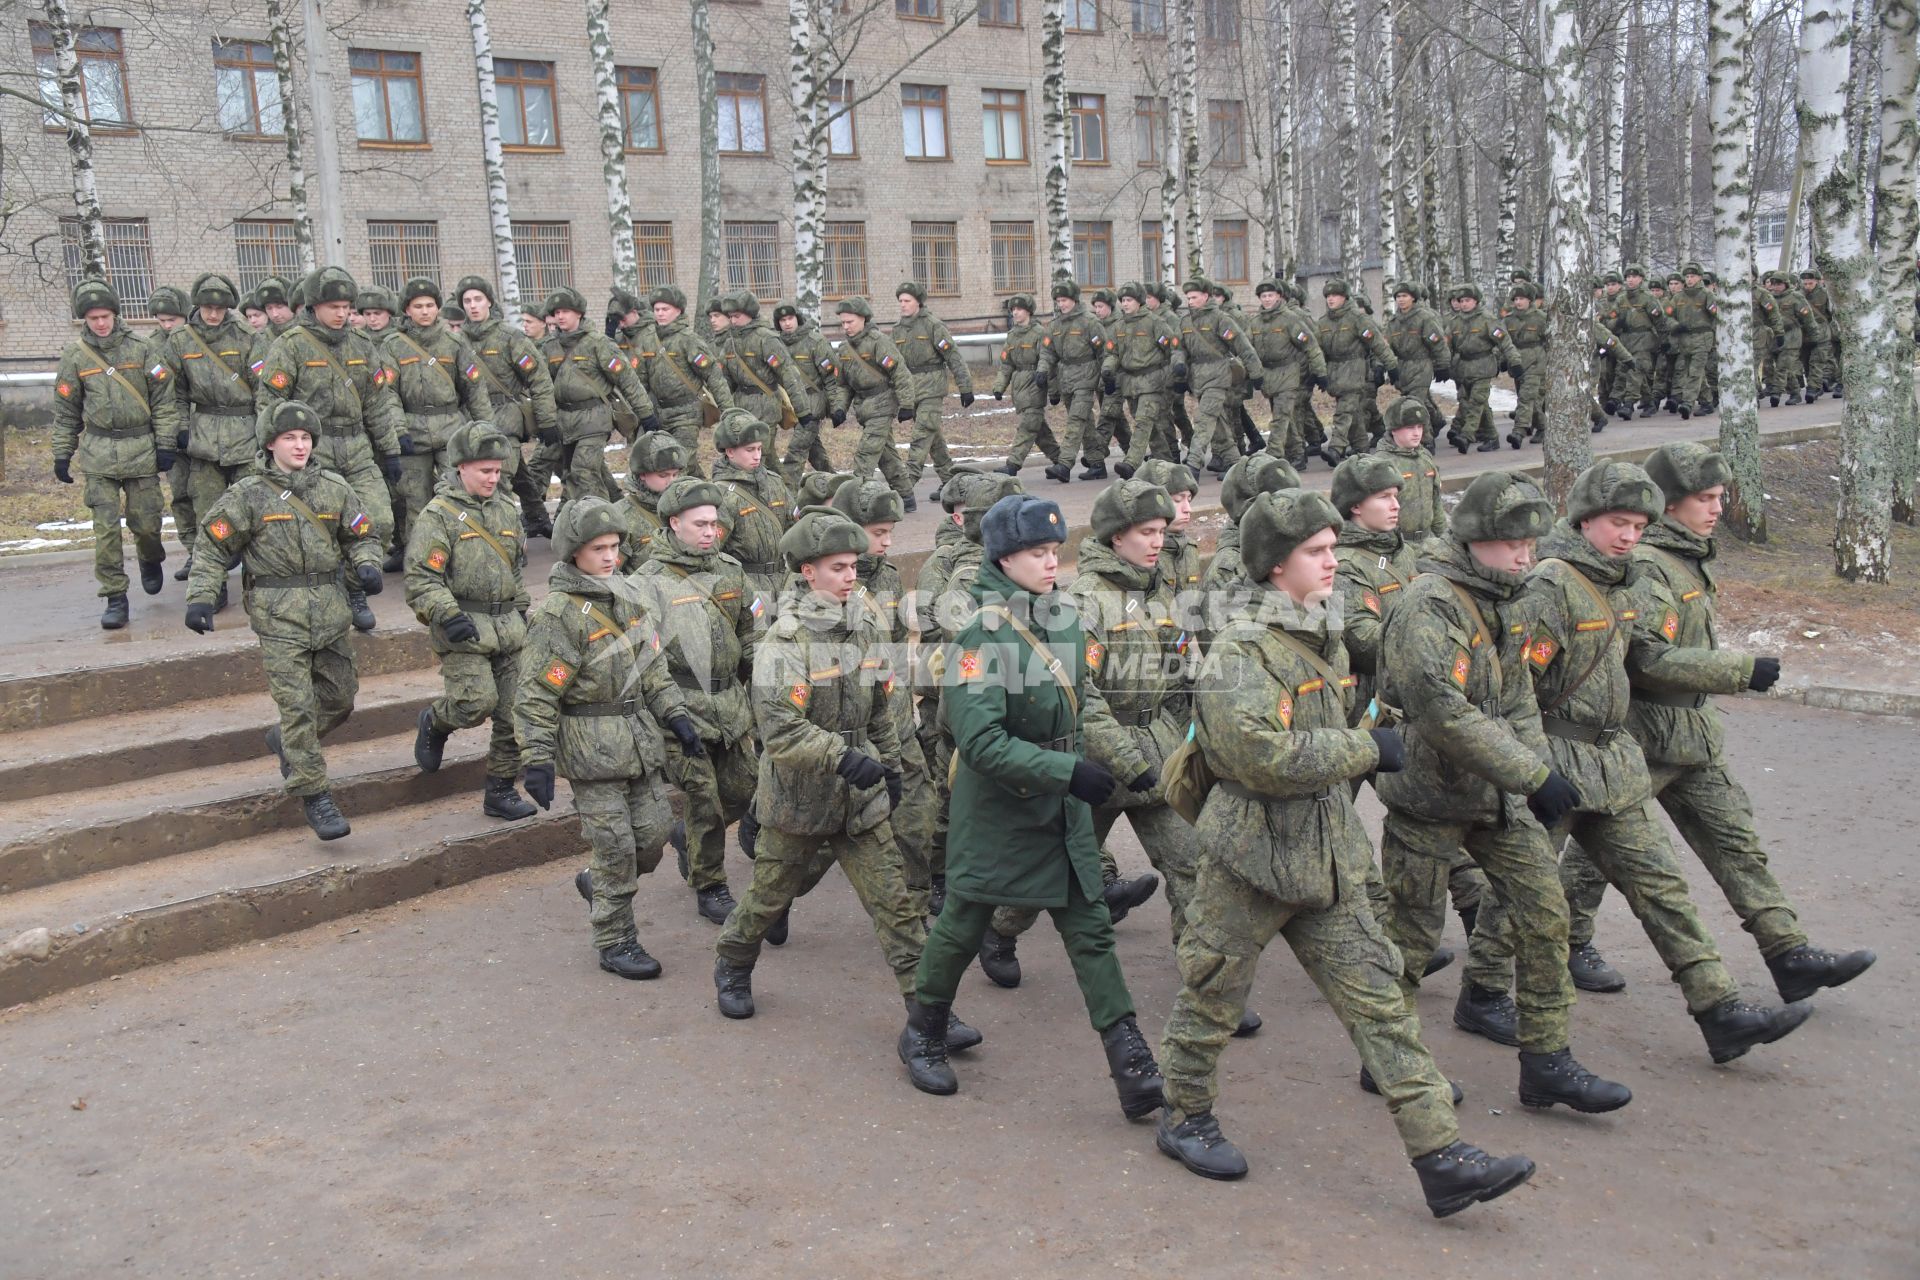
390,467
860,770
1109,384
368,575
163,459
687,736
1090,783
60,471
966,399
200,618
1148,779
1555,799
459,629
1393,750
539,783
1766,674
905,414
894,788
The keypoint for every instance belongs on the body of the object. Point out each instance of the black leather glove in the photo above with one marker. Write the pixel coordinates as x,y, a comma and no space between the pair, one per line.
894,789
1091,783
1109,384
390,468
459,629
860,770
966,399
163,459
688,737
905,414
180,440
650,423
550,436
368,575
406,445
1766,674
1555,799
60,471
838,417
1040,379
1149,779
200,618
1393,750
539,784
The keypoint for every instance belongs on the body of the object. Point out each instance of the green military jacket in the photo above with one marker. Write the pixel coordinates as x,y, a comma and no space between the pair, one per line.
759,509
293,564
822,678
639,506
1349,338
1139,656
1692,315
1472,727
931,355
676,365
874,374
1638,318
1273,729
1422,513
214,368
587,369
1140,350
1419,338
342,375
709,618
438,380
758,364
453,567
1072,351
1214,344
1019,358
114,405
814,361
593,689
1372,569
1679,660
515,378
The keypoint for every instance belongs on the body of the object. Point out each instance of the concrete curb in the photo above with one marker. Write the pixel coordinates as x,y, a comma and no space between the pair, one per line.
1869,702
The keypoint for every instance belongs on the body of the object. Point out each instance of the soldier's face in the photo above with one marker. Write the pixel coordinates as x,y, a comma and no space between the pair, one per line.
565,319
1139,545
291,449
600,557
698,528
833,576
100,321
1307,575
480,478
475,304
879,537
909,306
1699,512
280,313
376,319
855,325
665,313
1035,569
256,317
423,311
789,324
657,481
1614,533
1504,555
332,314
1378,511
212,314
746,456
1182,510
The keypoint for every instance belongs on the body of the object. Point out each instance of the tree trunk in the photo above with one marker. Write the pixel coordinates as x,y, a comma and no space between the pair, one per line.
280,39
499,211
1346,71
1569,259
1898,225
1280,203
613,148
1053,98
1730,107
1192,172
703,88
73,107
806,94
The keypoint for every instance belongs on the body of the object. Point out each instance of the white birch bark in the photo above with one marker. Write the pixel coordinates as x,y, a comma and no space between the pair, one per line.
506,266
613,150
73,110
1897,221
806,93
1053,98
1346,74
1569,254
280,40
703,87
1730,108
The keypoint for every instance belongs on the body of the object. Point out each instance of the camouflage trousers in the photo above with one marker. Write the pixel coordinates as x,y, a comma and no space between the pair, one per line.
1171,847
1715,817
786,866
912,822
928,442
140,499
1033,432
718,788
876,447
180,499
625,823
1489,945
1471,418
1348,956
479,686
1085,929
804,449
1416,858
1079,429
314,691
1633,853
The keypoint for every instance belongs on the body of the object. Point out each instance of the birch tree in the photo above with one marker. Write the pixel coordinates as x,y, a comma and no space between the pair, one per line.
1346,70
1053,98
1569,247
703,88
613,147
73,112
1898,227
280,40
1729,110
492,160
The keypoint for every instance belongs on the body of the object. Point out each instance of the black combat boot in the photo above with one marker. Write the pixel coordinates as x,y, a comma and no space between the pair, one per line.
1804,970
748,834
1197,1143
1442,957
923,1048
1487,1013
115,615
1456,1094
1136,1076
1590,969
396,560
733,989
185,570
429,743
777,932
1550,1078
273,745
152,576
715,902
937,896
500,800
325,817
1733,1026
629,960
363,619
1461,1174
1122,895
583,885
997,959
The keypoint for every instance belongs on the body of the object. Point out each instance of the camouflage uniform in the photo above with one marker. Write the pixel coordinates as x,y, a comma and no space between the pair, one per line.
1021,373
814,360
677,366
587,370
1070,356
880,392
1213,345
931,355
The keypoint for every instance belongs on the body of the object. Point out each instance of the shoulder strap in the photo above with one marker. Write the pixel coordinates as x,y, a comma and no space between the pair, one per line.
209,352
446,508
433,361
1054,665
1600,653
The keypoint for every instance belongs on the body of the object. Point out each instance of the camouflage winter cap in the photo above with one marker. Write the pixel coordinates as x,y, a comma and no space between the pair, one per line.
1019,521
481,283
167,301
1250,477
373,298
687,493
1613,486
272,289
869,502
328,284
654,452
821,531
1121,506
477,441
289,415
93,294
1499,506
855,306
1174,477
1064,287
419,287
565,298
1406,412
669,294
212,289
912,289
1024,301
818,487
581,521
1686,467
738,427
1360,477
1276,524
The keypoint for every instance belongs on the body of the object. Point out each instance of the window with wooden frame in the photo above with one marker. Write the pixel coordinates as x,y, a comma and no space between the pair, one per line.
1226,131
129,261
999,13
399,251
1093,254
640,108
1012,256
653,253
1003,125
1083,17
527,117
743,113
264,247
1230,251
1149,131
843,248
1087,127
936,257
246,92
842,142
923,121
752,256
544,251
918,10
389,104
103,77
1150,18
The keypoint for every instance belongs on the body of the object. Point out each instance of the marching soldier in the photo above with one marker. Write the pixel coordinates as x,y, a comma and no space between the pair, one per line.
587,371
880,392
682,371
1134,374
213,364
757,506
655,461
931,356
520,389
813,359
1022,373
438,380
1212,344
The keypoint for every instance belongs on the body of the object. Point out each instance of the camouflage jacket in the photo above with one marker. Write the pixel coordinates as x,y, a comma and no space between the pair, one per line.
1073,350
344,376
1350,339
759,509
1138,655
513,374
452,568
709,618
214,369
814,360
114,406
1019,358
1213,342
1422,513
587,369
758,365
1480,345
438,380
1671,674
930,353
870,368
676,365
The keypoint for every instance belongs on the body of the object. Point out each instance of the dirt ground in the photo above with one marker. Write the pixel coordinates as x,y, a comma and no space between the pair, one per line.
451,1086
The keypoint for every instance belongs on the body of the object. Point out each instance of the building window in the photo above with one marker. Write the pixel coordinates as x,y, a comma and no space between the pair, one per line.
999,13
1152,239
1230,251
246,90
1220,20
653,251
103,76
1150,17
265,247
526,105
1226,131
1083,16
640,107
743,113
752,251
129,261
544,252
1087,118
922,10
844,260
401,250
923,121
1093,254
841,139
1150,131
936,257
1769,230
1003,125
1012,256
387,98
